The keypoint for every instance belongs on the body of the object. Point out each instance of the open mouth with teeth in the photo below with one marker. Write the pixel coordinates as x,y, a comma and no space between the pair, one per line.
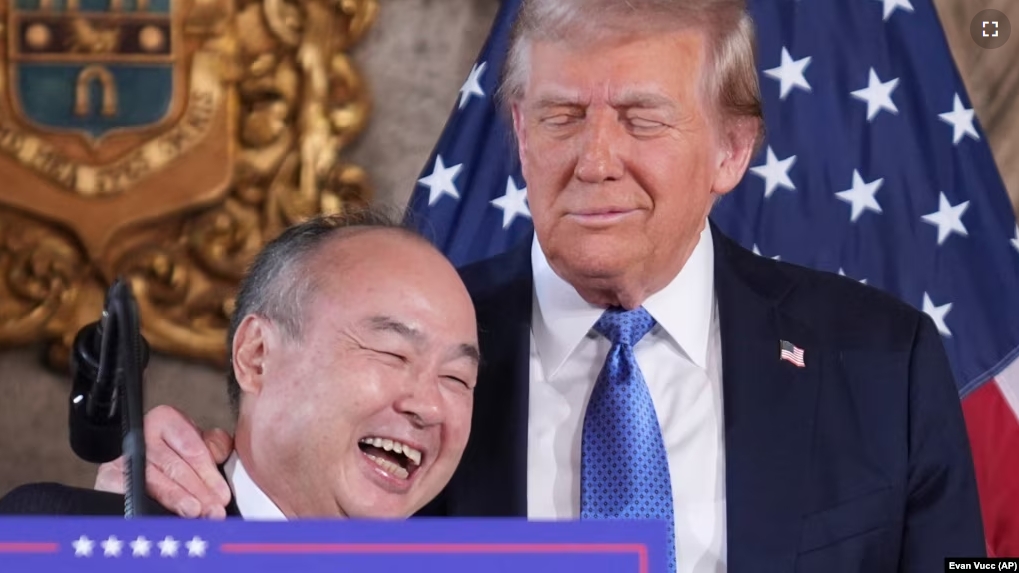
395,458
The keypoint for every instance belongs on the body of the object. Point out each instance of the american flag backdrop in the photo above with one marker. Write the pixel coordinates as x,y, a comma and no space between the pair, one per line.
874,167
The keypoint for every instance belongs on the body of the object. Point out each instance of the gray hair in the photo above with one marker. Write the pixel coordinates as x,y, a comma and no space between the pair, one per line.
731,76
279,283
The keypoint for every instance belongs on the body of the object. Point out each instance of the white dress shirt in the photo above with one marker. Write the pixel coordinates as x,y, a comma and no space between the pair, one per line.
680,360
251,501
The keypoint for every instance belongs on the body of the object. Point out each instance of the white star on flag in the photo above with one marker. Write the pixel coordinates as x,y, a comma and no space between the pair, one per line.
961,120
1015,241
472,86
168,547
140,547
878,95
790,74
83,546
112,546
948,218
937,314
861,196
775,173
891,5
513,203
440,182
196,547
843,273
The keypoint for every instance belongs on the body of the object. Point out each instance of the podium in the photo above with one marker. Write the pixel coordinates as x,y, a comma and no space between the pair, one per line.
446,545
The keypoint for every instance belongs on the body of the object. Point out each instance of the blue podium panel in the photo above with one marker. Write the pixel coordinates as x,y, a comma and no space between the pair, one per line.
108,545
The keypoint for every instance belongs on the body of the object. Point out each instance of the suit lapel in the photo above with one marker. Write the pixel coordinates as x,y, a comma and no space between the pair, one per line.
492,477
769,408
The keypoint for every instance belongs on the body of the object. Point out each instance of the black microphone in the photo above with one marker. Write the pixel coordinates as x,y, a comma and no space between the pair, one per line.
106,418
96,431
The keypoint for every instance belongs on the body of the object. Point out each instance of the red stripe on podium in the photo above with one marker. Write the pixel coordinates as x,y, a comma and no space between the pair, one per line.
449,548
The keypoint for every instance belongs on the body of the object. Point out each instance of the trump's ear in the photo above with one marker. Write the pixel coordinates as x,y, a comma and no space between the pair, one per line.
253,341
737,148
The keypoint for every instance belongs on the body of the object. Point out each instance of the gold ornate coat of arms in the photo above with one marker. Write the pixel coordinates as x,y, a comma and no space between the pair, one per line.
165,141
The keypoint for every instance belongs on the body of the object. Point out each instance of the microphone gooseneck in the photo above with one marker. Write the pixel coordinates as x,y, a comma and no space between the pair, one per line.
106,406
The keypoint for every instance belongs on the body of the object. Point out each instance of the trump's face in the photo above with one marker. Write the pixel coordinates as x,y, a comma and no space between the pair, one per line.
622,159
368,414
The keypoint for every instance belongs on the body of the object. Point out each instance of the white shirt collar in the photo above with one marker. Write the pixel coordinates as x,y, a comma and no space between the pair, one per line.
251,500
561,318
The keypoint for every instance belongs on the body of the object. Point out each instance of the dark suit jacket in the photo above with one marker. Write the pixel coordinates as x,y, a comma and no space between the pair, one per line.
858,461
61,500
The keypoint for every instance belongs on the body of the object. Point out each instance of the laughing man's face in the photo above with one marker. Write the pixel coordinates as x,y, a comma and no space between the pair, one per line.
368,413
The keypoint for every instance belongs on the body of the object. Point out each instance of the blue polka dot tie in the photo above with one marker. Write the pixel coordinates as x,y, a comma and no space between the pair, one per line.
624,468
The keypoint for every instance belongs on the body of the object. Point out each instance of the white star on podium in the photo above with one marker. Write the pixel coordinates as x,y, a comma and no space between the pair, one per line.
196,547
140,547
83,546
168,547
112,546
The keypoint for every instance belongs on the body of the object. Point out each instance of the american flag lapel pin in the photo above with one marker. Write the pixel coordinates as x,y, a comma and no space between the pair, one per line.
791,353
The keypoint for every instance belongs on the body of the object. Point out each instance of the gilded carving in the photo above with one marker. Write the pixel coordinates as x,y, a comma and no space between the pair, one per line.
184,135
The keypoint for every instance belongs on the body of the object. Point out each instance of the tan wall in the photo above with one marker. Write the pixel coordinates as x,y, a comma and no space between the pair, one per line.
415,59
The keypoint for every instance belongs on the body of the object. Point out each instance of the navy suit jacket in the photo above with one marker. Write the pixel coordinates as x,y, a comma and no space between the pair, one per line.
858,461
54,499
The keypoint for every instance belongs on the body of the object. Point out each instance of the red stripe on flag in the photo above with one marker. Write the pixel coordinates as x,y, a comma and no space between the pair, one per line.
994,439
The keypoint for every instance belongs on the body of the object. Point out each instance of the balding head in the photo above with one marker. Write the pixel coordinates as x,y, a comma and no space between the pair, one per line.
281,279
